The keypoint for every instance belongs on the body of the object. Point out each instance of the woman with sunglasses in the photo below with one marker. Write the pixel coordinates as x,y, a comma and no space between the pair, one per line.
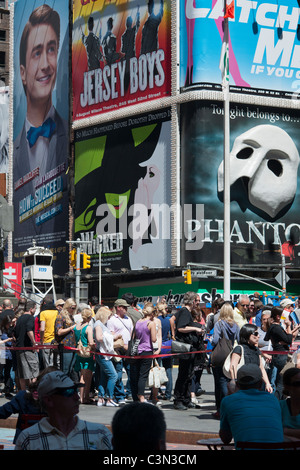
64,336
290,406
248,347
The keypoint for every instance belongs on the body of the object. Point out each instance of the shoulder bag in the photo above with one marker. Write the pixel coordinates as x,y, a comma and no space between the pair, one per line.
221,351
83,351
133,344
180,347
226,366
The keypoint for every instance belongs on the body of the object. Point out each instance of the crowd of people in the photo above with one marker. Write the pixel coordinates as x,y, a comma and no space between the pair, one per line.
91,346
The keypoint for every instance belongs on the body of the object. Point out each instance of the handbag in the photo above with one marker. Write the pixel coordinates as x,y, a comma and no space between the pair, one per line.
291,362
179,347
118,349
226,366
83,351
157,376
133,345
220,351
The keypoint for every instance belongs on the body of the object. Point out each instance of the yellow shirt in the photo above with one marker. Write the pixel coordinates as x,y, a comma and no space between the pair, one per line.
48,316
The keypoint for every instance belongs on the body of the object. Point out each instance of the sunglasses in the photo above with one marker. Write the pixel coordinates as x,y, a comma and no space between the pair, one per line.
255,333
66,392
245,305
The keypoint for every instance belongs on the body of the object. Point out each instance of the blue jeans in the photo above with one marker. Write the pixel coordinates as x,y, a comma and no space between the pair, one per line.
108,377
221,382
119,387
167,363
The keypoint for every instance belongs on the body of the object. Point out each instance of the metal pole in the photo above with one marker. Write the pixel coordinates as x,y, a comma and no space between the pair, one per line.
100,273
226,177
77,273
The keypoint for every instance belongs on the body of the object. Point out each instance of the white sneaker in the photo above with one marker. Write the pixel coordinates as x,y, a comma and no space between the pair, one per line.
101,403
111,403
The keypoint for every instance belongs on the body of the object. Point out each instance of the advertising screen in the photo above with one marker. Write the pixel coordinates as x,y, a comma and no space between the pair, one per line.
126,167
41,129
121,54
264,183
263,46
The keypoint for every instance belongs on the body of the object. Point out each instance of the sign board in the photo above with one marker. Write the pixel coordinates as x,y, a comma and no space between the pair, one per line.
12,278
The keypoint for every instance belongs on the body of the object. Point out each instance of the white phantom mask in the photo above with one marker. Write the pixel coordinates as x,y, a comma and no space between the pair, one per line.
263,171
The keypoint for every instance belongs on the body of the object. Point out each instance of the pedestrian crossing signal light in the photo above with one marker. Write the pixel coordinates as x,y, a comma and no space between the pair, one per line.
73,258
86,261
187,276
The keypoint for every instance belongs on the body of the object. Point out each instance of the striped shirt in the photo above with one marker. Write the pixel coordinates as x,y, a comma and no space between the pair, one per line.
84,436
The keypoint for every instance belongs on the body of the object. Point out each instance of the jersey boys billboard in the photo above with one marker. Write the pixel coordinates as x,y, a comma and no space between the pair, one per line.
264,49
121,54
264,183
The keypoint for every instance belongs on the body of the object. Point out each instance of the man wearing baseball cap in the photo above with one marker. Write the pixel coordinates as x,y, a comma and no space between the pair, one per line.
250,414
62,429
288,312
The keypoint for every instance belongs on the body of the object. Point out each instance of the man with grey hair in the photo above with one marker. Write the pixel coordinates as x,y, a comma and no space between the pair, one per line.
78,318
241,311
186,331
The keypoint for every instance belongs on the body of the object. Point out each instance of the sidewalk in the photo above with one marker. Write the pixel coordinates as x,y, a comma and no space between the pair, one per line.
184,428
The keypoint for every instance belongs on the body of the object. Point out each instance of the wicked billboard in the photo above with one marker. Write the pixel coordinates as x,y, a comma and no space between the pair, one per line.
121,54
264,183
122,177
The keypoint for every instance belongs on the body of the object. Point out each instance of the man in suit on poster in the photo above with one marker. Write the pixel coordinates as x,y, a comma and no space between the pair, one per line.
42,145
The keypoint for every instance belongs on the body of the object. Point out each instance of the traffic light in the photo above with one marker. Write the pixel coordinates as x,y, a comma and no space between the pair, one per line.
187,276
73,258
86,261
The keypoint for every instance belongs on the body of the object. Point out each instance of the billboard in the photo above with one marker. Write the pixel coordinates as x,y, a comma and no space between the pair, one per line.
264,183
40,127
126,166
4,128
121,54
263,46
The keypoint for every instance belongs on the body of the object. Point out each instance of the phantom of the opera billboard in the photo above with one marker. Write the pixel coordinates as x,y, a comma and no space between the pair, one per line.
264,48
121,54
264,183
40,128
122,191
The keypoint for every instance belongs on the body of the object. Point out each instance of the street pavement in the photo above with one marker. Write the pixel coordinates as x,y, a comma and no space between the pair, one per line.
184,428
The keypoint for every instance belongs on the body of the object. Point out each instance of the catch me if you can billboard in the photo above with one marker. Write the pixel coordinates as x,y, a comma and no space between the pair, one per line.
264,46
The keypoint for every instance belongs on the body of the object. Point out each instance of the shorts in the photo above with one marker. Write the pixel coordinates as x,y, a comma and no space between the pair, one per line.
27,364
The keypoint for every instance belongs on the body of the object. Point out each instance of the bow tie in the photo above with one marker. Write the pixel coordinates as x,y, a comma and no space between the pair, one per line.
46,130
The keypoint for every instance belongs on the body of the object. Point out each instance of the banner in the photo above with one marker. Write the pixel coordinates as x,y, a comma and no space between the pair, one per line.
122,191
121,54
41,128
264,184
263,46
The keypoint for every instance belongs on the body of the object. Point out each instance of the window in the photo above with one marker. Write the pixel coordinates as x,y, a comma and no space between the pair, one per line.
2,59
2,35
